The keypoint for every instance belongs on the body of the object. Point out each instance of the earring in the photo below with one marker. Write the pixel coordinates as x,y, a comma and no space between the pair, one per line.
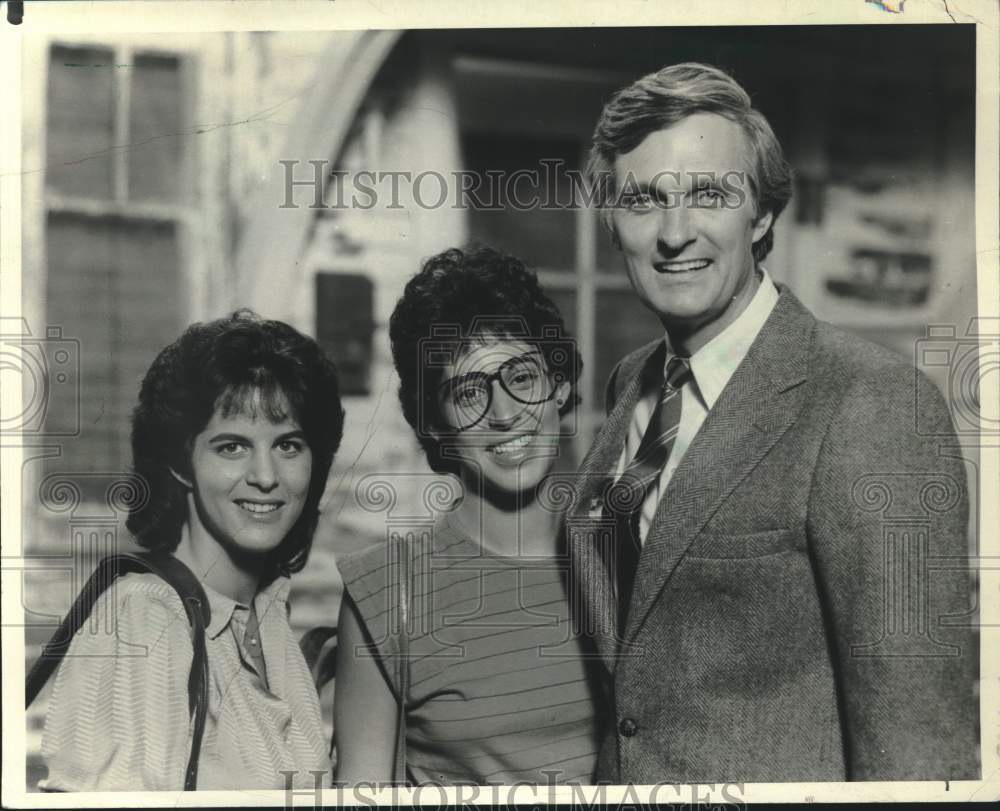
559,401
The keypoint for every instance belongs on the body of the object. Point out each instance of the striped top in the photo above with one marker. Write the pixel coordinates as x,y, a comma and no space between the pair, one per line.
118,718
500,690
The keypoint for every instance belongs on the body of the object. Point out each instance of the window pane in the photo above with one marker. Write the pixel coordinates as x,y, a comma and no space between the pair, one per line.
80,130
621,323
609,258
565,300
344,326
156,129
536,221
113,286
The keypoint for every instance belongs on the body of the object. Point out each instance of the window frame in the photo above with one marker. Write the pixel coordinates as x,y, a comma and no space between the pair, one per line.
182,214
586,278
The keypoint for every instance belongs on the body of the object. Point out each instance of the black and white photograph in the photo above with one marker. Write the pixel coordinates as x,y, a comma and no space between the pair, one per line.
543,406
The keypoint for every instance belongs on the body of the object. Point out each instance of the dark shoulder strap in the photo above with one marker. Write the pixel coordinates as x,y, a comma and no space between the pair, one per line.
321,658
320,661
199,614
611,390
402,661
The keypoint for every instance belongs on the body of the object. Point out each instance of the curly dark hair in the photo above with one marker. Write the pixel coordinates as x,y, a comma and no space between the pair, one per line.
222,365
479,290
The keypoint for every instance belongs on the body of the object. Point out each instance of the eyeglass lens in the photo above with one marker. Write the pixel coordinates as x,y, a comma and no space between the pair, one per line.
466,399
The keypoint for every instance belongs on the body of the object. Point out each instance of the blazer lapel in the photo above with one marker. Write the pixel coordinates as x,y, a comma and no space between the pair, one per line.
584,524
757,406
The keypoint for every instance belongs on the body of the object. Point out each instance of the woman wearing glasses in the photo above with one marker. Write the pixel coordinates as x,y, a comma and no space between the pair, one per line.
493,681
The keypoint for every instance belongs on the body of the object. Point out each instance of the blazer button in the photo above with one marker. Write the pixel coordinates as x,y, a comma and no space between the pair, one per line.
628,727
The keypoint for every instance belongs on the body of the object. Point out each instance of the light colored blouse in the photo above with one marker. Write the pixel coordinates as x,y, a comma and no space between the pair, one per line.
118,718
500,688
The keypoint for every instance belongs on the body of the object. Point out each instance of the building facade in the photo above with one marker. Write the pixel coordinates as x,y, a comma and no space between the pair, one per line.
175,178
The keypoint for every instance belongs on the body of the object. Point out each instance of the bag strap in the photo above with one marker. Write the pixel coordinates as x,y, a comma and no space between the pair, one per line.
312,644
321,659
402,662
199,615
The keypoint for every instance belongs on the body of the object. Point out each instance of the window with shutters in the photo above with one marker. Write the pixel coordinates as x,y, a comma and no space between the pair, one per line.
345,325
117,176
565,243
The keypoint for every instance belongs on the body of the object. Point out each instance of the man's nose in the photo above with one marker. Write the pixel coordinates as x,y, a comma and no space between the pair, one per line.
676,228
262,472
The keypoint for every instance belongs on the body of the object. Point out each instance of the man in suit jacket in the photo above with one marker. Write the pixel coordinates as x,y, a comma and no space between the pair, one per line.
801,606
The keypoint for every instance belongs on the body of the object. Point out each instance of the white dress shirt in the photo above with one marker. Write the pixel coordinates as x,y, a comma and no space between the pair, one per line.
712,366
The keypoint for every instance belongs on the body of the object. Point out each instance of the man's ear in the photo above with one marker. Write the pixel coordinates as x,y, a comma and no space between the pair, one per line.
761,225
181,479
608,220
615,239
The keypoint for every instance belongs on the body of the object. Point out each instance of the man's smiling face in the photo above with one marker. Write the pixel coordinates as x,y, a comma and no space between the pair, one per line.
686,221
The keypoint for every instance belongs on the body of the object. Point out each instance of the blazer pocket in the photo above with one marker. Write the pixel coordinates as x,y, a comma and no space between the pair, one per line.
726,546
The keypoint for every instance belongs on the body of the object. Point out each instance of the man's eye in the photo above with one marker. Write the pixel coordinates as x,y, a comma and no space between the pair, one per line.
708,196
291,446
638,202
229,448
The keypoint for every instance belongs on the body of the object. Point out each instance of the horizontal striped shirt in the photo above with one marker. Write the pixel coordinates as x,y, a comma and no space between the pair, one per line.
500,688
118,718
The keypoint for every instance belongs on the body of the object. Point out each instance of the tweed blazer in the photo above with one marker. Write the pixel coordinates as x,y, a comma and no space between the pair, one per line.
803,607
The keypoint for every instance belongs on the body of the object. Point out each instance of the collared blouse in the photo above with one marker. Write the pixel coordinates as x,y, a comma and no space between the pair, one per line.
118,718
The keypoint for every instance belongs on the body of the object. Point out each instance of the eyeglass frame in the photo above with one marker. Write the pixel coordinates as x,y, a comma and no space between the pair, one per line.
490,378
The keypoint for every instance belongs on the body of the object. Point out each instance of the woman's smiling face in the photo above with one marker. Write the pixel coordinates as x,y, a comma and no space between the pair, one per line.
250,478
500,408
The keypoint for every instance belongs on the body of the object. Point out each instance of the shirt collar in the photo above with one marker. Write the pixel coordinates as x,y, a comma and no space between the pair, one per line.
224,607
714,364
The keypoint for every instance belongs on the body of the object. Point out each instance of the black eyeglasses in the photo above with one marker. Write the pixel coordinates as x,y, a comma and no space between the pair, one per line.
464,400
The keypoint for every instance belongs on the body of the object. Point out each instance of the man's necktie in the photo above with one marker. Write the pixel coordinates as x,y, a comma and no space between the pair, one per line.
632,487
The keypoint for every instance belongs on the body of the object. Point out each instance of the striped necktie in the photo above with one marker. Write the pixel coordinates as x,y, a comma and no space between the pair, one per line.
626,496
